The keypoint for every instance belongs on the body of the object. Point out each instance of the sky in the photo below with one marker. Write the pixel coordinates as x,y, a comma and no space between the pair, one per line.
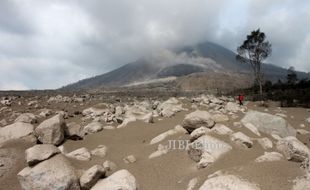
46,44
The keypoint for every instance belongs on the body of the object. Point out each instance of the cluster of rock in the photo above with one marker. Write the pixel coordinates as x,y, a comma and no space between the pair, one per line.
49,169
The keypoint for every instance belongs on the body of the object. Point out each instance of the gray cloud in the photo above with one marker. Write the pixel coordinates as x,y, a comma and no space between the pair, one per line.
47,44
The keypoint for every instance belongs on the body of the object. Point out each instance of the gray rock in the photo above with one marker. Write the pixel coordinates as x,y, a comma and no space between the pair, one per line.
100,151
120,180
27,118
197,119
74,130
51,131
93,127
16,131
40,153
269,124
293,149
130,159
90,177
80,154
228,182
53,174
207,149
241,139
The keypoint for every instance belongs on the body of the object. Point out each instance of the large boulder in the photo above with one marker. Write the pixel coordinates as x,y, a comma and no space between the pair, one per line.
228,182
269,124
51,131
40,153
197,119
120,180
16,131
293,149
27,118
90,177
53,174
207,149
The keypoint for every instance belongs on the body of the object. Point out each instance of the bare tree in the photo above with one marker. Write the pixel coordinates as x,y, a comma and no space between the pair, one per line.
254,50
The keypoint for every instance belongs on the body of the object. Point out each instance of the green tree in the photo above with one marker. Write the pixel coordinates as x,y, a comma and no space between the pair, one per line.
254,50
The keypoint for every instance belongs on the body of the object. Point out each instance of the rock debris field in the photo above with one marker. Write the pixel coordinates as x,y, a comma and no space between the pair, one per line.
191,143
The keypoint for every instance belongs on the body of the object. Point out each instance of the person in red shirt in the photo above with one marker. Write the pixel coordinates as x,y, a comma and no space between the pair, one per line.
240,98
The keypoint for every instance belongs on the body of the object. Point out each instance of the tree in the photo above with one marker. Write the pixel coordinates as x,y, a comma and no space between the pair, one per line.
254,50
291,76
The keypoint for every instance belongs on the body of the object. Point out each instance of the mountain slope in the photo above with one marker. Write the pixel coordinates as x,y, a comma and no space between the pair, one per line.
203,58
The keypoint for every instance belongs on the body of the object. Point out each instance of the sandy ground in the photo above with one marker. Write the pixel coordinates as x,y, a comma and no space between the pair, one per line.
174,170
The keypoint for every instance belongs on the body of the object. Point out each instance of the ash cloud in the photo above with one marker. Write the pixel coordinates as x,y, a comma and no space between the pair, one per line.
48,44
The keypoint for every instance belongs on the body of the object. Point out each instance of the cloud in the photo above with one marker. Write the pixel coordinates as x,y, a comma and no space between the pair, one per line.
47,44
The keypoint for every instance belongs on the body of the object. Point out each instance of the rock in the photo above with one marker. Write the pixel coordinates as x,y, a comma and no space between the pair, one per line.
229,182
120,180
74,130
148,118
130,159
237,124
90,177
269,157
207,149
192,184
197,119
177,129
54,173
109,127
281,115
62,149
302,131
161,150
51,131
40,153
32,103
308,120
265,143
16,131
27,118
100,151
232,107
45,113
241,139
269,124
218,118
221,129
109,165
302,125
80,154
119,111
3,122
94,112
93,127
199,132
302,183
293,149
252,128
169,107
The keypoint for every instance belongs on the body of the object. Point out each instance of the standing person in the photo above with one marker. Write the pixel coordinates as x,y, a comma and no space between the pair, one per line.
240,98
